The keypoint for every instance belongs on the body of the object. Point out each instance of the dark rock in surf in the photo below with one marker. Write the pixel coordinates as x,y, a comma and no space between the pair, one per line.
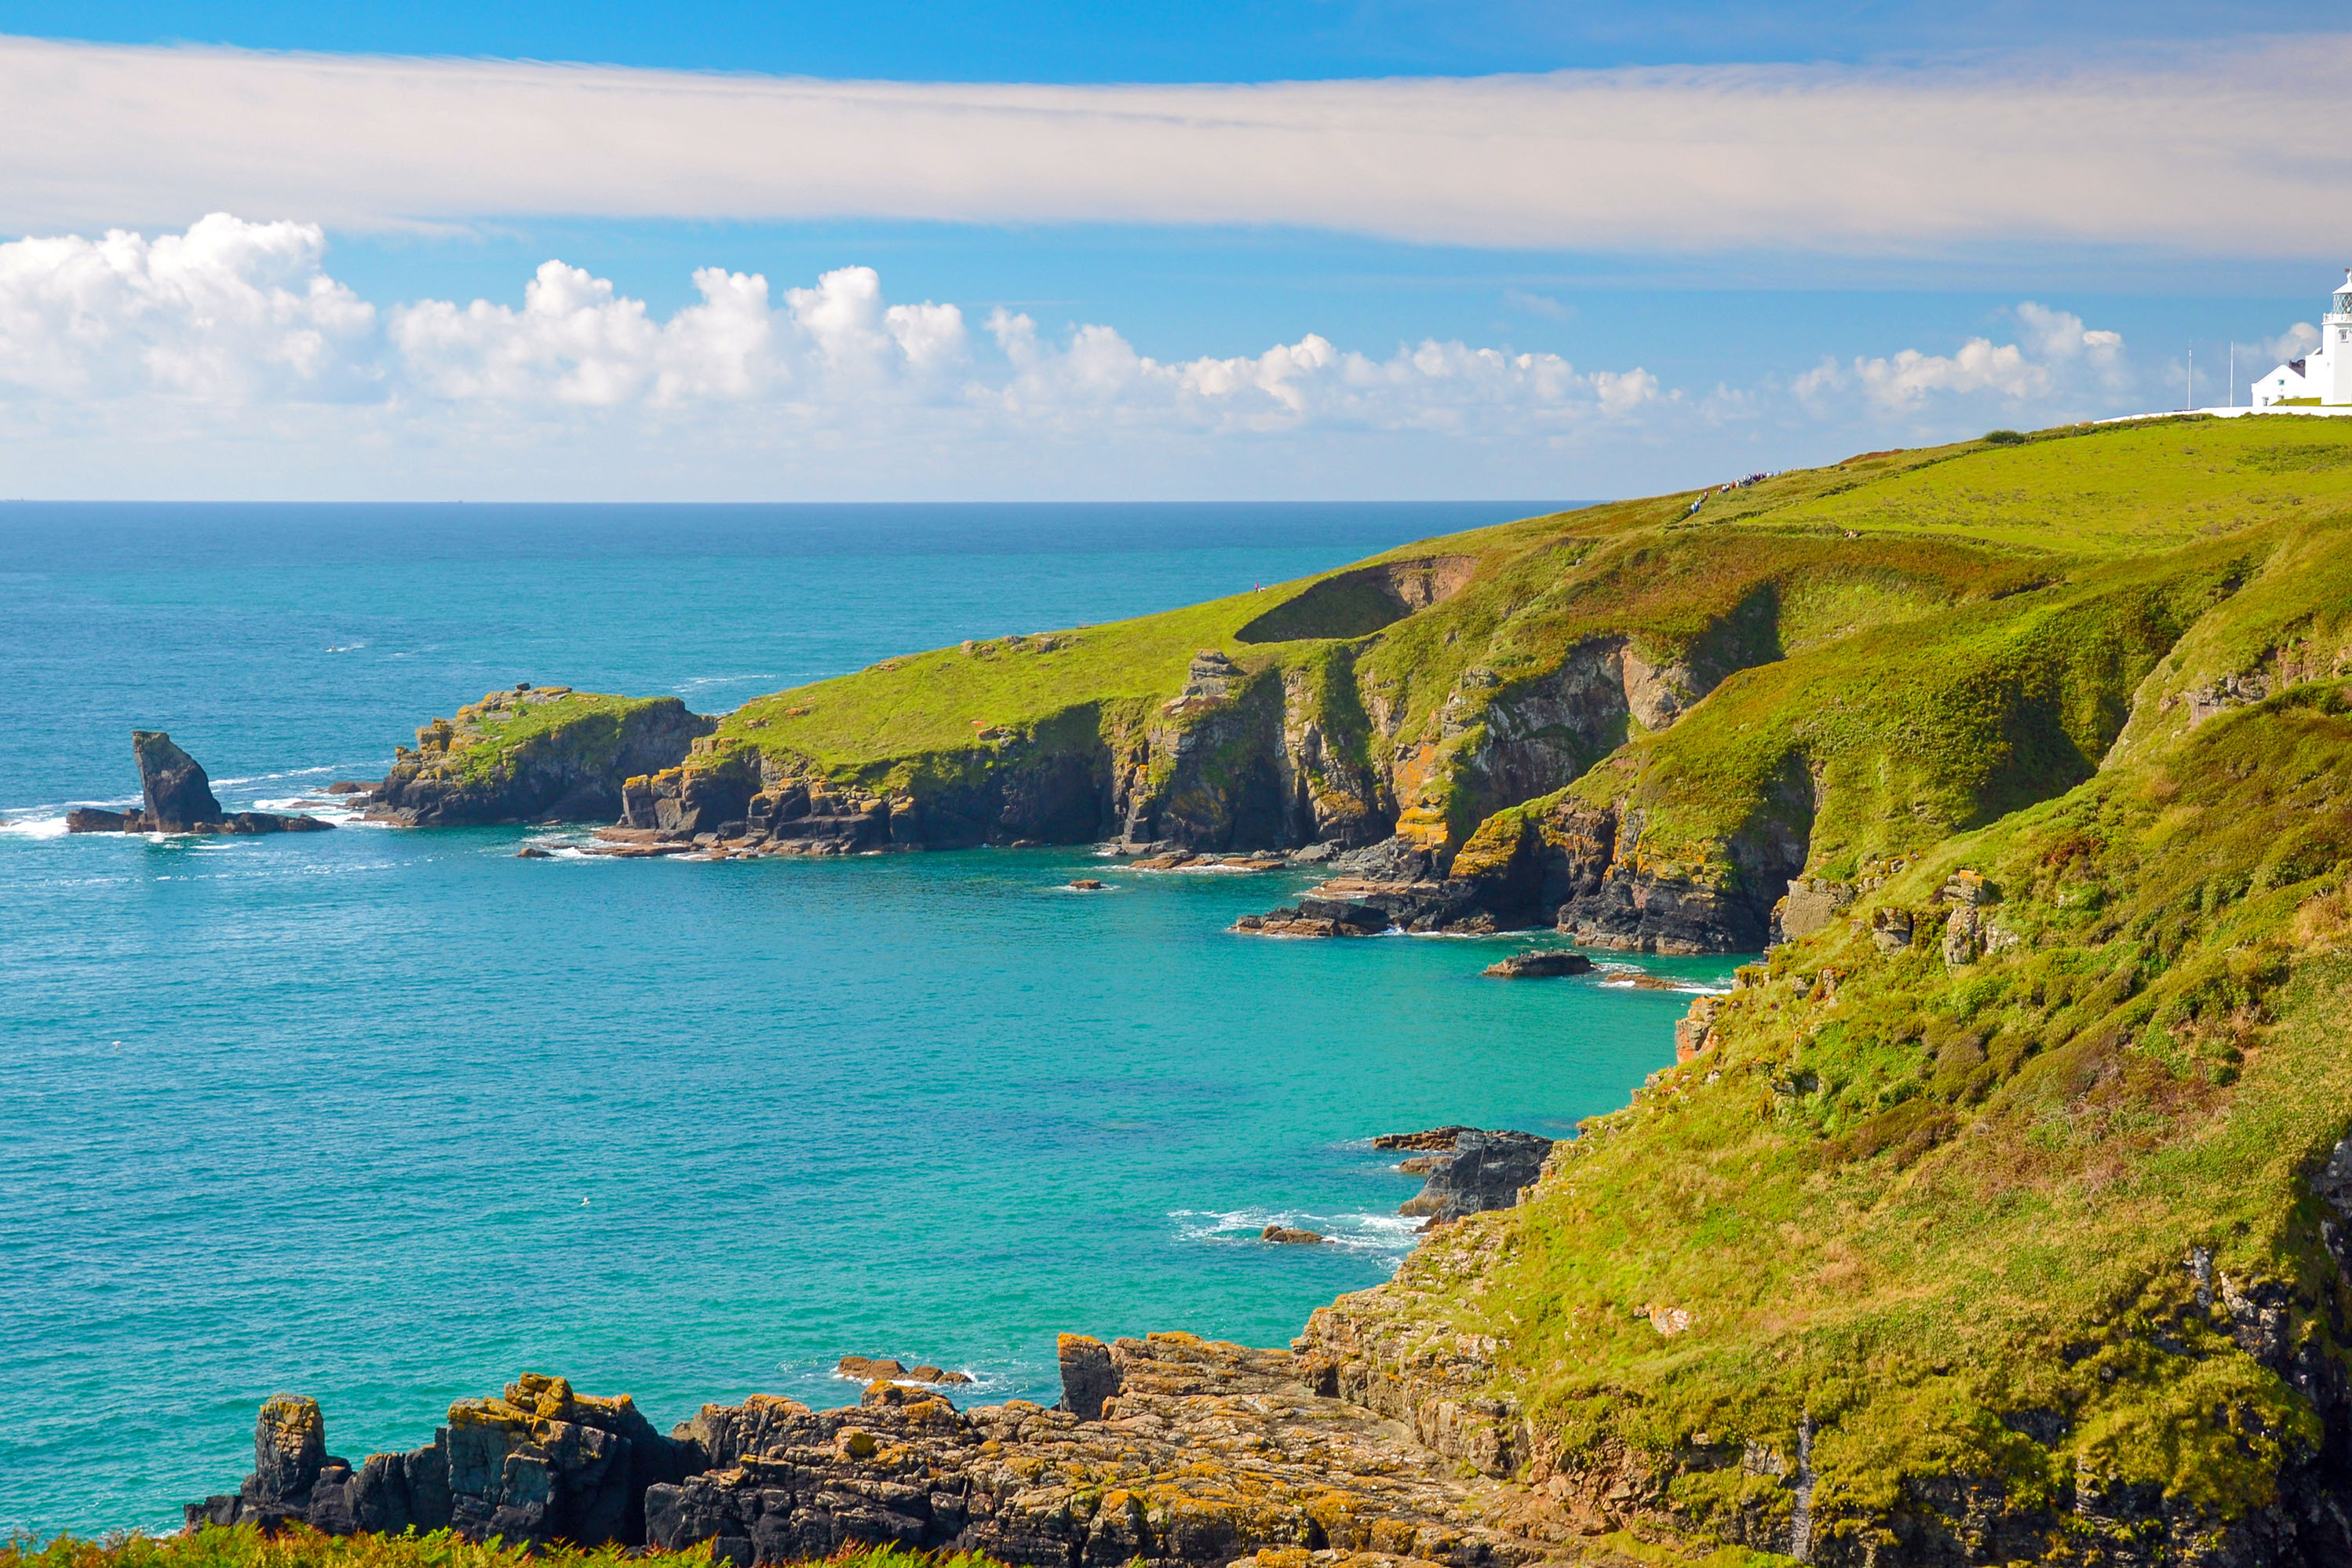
177,797
1541,964
177,793
1284,1235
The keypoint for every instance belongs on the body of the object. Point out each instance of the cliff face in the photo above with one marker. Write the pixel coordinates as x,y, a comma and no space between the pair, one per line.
1635,722
533,755
2000,1216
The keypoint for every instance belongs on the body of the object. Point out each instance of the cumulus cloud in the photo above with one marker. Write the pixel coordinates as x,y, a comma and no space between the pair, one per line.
2164,150
577,340
2290,344
227,313
2056,355
234,330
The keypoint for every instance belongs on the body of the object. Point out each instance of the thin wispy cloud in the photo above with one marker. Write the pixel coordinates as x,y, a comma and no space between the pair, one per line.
2164,150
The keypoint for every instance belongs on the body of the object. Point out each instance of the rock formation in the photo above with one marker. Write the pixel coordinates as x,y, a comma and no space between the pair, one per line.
1467,1171
1170,1449
538,1465
887,1369
533,754
177,797
1541,964
1290,1235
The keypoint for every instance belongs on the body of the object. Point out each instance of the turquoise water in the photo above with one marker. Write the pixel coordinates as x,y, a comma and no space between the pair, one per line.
386,1117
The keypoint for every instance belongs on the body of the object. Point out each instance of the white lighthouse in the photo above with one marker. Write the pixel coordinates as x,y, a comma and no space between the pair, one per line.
2322,377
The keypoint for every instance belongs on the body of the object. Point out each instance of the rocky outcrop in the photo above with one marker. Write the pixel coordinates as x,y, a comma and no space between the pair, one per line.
1810,905
1468,1171
534,754
539,1465
1174,1450
888,1369
1169,1449
1584,868
1392,884
176,796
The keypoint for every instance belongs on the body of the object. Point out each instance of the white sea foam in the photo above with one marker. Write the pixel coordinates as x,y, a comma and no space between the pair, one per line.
34,827
1628,977
699,682
346,648
1389,1236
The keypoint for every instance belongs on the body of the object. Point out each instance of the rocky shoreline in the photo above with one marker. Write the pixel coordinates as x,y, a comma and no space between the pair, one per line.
1169,1449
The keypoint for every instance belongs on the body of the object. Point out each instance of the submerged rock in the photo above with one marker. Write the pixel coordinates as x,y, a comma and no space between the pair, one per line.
177,797
1286,1237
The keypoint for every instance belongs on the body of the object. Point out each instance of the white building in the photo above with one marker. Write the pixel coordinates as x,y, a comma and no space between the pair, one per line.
2323,376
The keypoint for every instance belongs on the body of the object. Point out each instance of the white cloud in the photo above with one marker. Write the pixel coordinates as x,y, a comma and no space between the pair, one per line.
226,312
2058,356
2163,150
231,345
2290,344
1543,305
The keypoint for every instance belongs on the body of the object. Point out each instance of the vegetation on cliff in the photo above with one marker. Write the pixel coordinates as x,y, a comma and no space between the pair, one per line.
534,752
2004,1211
1795,677
2012,1204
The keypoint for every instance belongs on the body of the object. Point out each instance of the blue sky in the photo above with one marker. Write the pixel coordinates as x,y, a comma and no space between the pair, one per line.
1484,294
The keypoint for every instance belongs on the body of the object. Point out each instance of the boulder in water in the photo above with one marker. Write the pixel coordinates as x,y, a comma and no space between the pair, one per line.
1283,1236
1541,964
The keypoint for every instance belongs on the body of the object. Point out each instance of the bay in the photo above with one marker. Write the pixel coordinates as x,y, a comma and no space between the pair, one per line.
388,1117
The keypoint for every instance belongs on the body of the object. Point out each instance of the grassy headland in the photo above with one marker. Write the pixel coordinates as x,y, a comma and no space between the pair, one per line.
1999,1214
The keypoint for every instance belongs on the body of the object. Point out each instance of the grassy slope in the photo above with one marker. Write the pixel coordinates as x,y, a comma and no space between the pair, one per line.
1820,562
1937,1198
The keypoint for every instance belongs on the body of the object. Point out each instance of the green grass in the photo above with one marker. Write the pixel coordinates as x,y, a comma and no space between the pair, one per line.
488,737
1934,1202
1829,563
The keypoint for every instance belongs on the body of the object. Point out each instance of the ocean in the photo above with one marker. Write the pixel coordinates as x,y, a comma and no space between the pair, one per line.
386,1117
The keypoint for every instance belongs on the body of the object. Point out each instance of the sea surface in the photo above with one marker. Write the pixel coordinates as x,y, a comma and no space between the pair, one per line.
386,1117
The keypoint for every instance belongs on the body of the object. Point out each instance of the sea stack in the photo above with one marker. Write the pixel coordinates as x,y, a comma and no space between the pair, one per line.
178,798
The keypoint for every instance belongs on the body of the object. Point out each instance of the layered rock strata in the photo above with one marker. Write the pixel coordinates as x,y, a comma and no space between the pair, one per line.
176,796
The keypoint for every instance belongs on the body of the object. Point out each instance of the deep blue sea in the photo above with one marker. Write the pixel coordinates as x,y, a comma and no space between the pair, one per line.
386,1117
